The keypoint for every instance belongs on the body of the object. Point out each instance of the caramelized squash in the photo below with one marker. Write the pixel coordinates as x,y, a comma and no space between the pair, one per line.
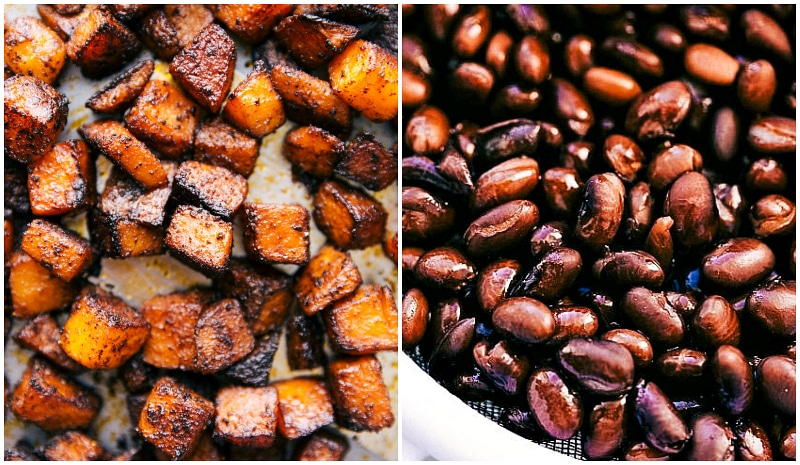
364,322
360,397
349,217
365,76
41,335
313,150
218,143
74,446
33,49
277,233
122,91
328,277
367,162
101,45
34,289
304,406
323,445
35,114
247,416
254,106
313,40
216,189
200,239
61,251
251,23
63,180
222,336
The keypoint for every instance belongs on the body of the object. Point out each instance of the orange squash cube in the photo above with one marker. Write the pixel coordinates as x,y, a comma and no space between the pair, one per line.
304,406
365,76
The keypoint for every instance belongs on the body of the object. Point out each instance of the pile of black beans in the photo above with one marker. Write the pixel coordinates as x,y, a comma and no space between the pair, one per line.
599,221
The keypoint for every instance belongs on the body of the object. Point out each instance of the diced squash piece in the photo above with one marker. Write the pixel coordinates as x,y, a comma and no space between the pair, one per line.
364,322
308,100
205,68
313,150
129,12
253,370
264,293
217,189
273,54
367,162
365,76
164,119
305,339
120,93
51,401
63,180
159,34
349,217
33,49
35,114
120,237
34,289
137,375
304,406
251,23
200,239
247,416
74,446
277,233
360,397
123,197
313,40
219,143
323,445
189,20
103,331
174,418
114,141
61,251
15,187
254,106
328,277
222,336
172,320
63,24
101,45
41,335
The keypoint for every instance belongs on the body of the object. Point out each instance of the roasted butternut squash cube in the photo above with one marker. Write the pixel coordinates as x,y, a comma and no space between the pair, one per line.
159,34
365,76
51,401
328,277
34,289
304,406
247,416
119,237
101,45
309,100
360,397
33,49
254,106
313,150
264,293
221,144
364,322
313,40
277,233
205,68
349,217
200,239
172,319
174,418
222,336
367,162
63,24
35,114
74,446
123,197
251,23
253,369
114,141
189,20
121,92
61,251
305,339
216,189
323,445
63,180
129,12
164,119
103,331
41,335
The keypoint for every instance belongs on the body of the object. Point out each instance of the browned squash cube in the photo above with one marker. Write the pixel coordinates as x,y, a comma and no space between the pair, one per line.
114,141
63,24
367,162
205,68
34,289
253,370
360,397
189,20
123,197
222,336
365,75
200,239
164,119
308,100
304,406
159,34
63,180
221,144
172,320
323,445
174,418
328,277
120,93
277,233
264,292
129,12
305,339
313,150
33,49
349,217
254,106
35,114
74,446
251,23
103,331
51,401
247,416
41,335
313,40
364,322
119,237
61,251
216,189
101,45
